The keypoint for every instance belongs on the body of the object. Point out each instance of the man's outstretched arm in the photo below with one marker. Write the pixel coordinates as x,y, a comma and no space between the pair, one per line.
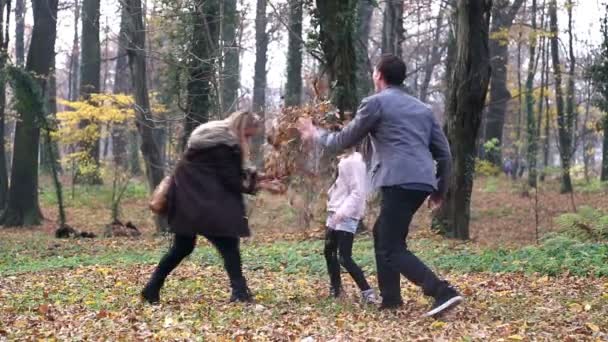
366,119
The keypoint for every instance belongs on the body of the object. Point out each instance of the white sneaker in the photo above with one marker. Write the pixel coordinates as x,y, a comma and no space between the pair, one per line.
370,297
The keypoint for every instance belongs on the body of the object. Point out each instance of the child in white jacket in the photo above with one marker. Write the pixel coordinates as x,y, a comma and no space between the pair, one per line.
346,207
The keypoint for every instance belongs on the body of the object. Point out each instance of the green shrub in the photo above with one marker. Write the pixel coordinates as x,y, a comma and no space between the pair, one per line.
486,168
594,186
588,224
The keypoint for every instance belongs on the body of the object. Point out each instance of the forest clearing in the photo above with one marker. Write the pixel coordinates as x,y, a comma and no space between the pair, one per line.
303,170
88,288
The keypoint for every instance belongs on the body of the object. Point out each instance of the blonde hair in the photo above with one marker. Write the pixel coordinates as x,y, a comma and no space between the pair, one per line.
239,122
230,131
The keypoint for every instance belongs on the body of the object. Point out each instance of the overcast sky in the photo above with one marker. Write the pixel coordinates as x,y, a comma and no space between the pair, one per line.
586,21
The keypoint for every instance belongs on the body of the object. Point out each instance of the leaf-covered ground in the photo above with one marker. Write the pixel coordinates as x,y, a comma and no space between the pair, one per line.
88,290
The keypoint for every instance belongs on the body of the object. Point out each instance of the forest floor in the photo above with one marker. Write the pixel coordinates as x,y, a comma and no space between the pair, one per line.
515,289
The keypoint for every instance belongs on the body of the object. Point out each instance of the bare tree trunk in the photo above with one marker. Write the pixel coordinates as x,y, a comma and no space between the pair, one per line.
365,86
4,8
73,77
122,85
136,36
203,52
336,34
468,89
20,11
503,14
571,110
435,56
49,155
231,52
587,141
532,150
90,73
544,75
293,88
23,208
392,30
565,135
259,78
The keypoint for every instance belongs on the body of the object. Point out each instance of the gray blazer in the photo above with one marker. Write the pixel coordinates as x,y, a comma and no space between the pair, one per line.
406,139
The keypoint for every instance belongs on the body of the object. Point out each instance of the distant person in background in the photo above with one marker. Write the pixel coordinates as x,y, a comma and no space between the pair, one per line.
522,167
346,207
508,167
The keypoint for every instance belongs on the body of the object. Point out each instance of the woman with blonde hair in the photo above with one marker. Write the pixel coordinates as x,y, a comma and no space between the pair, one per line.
205,197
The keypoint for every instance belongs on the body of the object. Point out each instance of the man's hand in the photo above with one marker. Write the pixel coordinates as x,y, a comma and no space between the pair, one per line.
306,129
435,201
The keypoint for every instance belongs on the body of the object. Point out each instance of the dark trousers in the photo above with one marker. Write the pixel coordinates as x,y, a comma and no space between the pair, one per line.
397,208
228,247
338,251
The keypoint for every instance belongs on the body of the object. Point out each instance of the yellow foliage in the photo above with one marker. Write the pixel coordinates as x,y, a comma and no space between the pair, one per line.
81,124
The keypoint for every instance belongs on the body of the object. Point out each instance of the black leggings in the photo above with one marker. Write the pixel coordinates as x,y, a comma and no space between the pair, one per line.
228,247
338,251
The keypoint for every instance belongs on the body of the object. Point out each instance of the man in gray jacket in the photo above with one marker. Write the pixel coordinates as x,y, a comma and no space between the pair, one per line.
407,140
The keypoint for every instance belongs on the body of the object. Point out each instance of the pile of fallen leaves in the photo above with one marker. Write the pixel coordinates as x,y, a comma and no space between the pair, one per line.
287,155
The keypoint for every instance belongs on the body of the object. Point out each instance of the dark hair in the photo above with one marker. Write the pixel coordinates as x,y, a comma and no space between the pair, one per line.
392,69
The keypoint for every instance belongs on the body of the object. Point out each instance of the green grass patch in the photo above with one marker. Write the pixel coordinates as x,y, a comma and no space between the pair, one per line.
555,256
87,195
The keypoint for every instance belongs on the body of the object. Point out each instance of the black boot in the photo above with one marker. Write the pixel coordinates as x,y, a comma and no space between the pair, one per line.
335,292
151,292
240,292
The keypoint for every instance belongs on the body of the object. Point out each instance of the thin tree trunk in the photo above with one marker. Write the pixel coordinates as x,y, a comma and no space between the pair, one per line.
468,89
571,110
4,8
392,30
565,135
90,73
203,52
122,85
365,10
503,14
336,34
231,52
532,151
435,56
23,208
293,87
49,156
145,125
259,78
544,75
20,11
587,143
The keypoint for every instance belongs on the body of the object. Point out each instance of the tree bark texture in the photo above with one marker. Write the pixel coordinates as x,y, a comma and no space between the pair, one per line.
293,87
503,13
392,30
259,78
231,67
90,72
563,120
337,20
203,54
146,126
23,208
468,89
365,85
